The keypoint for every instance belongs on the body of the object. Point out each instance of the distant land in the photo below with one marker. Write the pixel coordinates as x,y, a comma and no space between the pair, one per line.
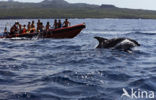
62,9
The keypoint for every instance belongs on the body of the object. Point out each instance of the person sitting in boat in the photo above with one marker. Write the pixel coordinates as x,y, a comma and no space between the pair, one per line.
5,31
66,23
59,24
55,24
18,26
47,26
29,27
32,27
41,27
13,29
38,24
24,30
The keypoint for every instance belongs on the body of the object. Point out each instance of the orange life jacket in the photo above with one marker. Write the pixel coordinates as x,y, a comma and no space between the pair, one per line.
24,31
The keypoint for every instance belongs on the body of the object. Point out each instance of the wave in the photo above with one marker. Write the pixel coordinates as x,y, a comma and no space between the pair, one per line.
107,32
120,32
144,83
145,32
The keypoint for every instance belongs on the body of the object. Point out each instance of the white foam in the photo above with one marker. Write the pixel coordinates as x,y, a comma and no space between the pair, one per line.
127,41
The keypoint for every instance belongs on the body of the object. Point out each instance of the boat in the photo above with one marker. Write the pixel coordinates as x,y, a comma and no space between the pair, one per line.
60,33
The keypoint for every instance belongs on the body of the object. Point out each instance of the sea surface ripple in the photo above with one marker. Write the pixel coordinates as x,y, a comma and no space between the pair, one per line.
73,69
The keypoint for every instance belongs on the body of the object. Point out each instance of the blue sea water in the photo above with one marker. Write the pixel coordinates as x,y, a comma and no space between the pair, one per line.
73,69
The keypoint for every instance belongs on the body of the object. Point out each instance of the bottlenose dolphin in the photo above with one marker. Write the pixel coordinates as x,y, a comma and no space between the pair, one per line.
125,44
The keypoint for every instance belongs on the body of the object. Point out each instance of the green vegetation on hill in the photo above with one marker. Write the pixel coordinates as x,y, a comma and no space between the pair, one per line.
63,9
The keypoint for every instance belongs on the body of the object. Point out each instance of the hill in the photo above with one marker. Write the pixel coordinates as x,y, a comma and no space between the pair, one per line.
63,9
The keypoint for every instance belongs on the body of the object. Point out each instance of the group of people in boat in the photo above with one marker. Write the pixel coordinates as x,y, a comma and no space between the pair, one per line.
17,28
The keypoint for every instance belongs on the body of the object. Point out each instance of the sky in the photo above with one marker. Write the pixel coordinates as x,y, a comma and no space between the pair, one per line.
134,4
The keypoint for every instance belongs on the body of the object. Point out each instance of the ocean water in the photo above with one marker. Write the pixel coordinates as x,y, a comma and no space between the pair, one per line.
73,69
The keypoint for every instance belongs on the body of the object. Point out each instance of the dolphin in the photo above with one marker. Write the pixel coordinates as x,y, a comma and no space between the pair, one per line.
125,44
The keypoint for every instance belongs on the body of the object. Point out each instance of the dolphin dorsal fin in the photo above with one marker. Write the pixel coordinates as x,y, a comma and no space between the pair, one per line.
100,39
